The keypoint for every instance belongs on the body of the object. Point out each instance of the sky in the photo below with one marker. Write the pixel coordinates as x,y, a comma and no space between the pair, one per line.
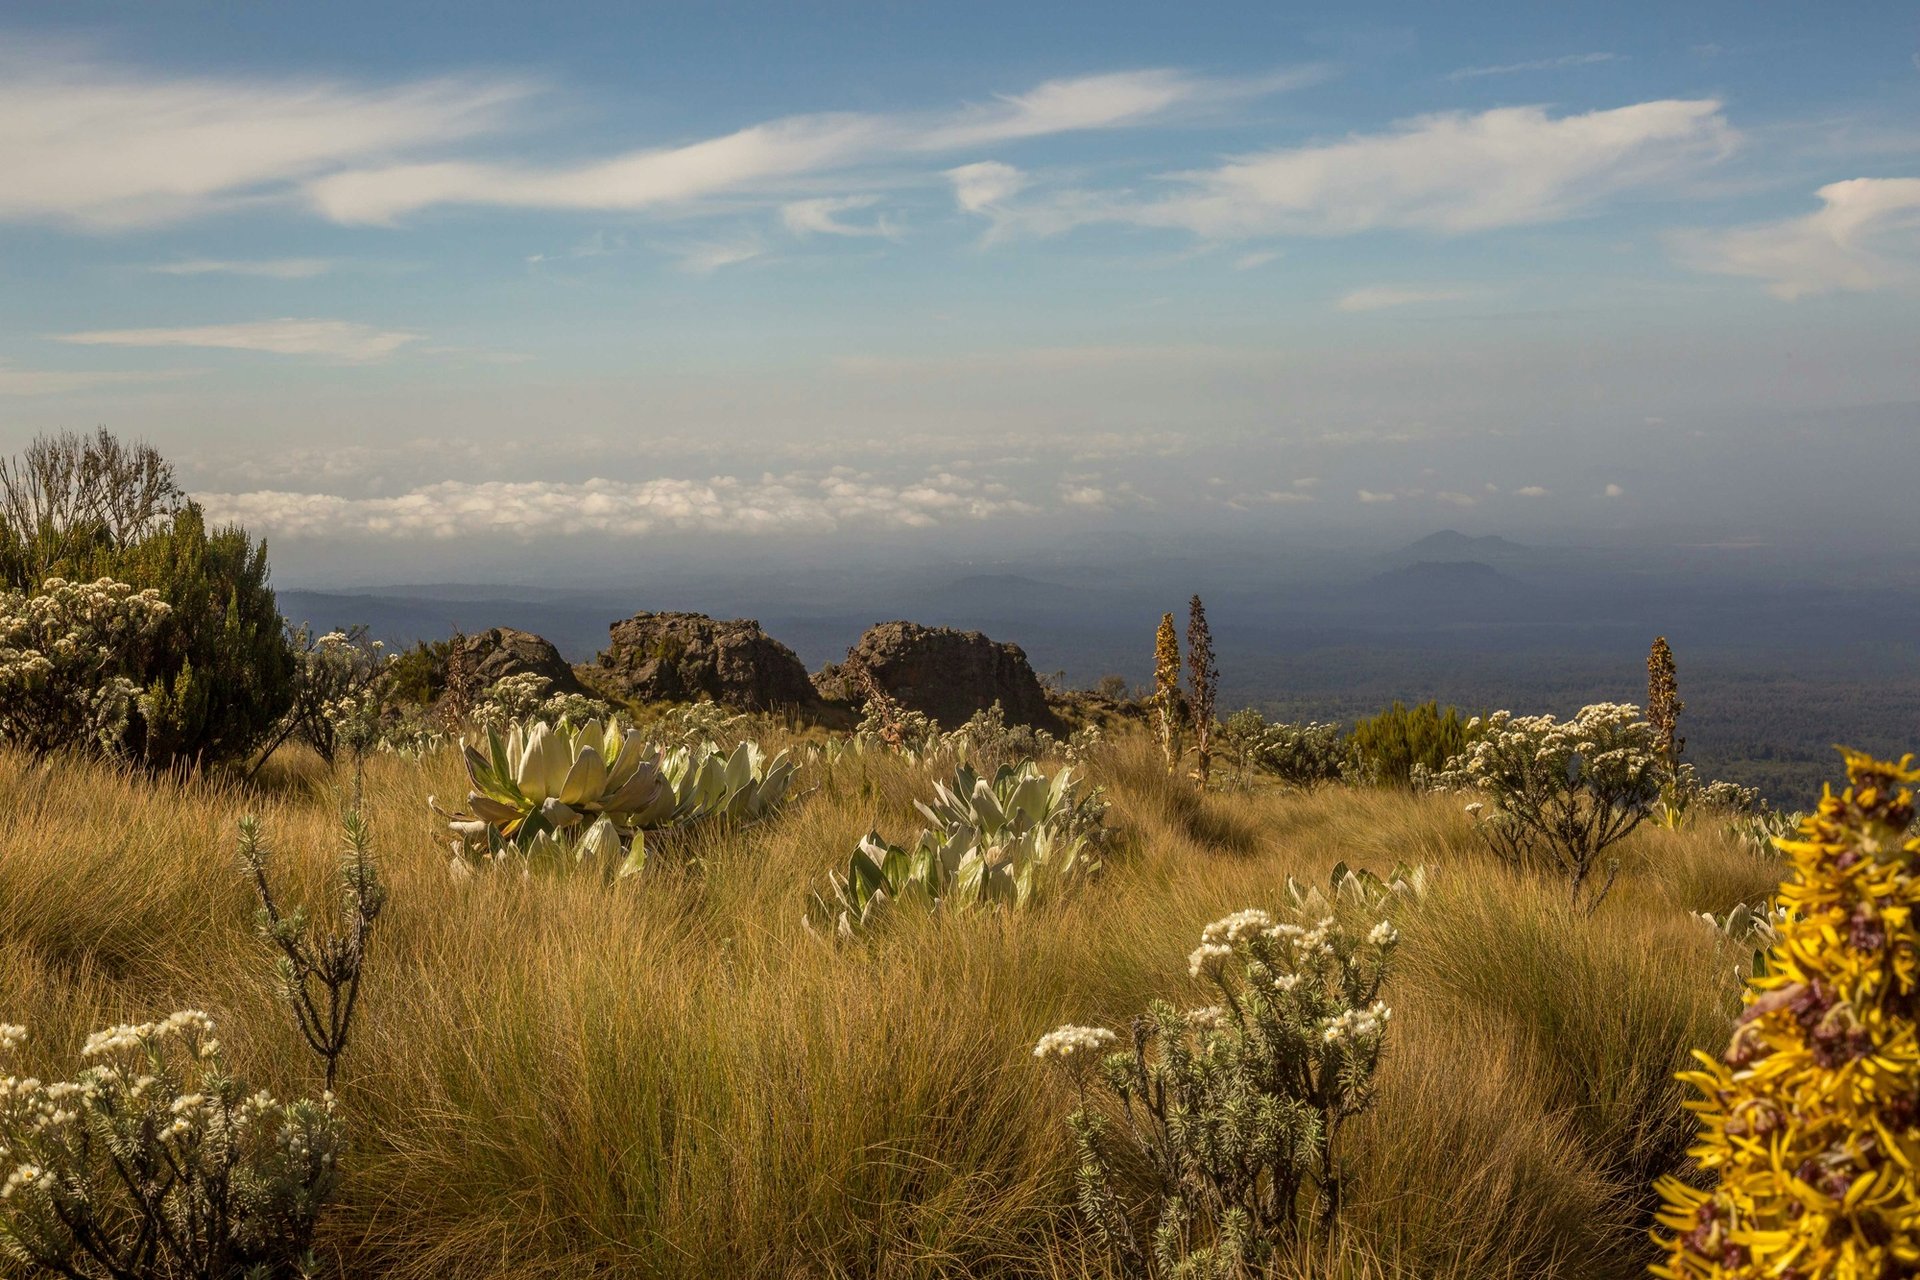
490,289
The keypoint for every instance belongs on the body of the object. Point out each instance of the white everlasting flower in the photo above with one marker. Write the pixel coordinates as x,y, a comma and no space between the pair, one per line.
11,1036
1207,958
1384,934
1207,1019
1287,982
1239,926
1069,1042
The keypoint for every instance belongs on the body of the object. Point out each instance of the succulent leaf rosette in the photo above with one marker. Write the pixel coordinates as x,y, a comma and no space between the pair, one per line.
1810,1121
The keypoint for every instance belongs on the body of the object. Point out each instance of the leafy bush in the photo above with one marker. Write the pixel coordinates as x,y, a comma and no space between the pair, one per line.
1807,1120
1399,739
1236,1108
64,659
1304,755
1015,839
155,1162
218,676
1560,790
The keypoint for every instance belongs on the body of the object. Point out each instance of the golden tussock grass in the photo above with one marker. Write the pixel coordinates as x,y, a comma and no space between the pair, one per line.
671,1077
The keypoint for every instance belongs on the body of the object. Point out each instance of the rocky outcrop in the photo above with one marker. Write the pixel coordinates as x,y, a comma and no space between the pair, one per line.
493,655
684,657
945,674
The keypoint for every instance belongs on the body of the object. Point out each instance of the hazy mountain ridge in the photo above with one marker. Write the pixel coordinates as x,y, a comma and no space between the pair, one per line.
1774,673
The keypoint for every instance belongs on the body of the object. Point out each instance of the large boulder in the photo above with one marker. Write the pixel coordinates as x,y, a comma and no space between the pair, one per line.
946,674
684,657
499,652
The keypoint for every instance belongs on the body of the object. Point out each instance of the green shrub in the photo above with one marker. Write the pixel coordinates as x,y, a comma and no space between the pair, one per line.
1393,742
219,675
216,676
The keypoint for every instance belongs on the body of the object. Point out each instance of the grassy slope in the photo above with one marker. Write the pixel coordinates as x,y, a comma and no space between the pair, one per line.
672,1078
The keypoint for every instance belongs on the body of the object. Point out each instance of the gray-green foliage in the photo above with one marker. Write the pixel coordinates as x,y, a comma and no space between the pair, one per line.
559,795
337,686
320,969
1013,839
155,1163
65,656
1298,755
1236,1109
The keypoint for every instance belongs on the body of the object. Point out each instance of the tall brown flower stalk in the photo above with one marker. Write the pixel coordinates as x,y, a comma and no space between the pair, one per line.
1166,691
1203,684
1664,707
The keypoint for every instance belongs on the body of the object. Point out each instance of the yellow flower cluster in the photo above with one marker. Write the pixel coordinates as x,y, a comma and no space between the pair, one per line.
1811,1120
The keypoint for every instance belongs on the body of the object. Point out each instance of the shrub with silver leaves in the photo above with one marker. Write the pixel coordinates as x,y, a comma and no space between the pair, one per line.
155,1162
1236,1108
1560,791
64,658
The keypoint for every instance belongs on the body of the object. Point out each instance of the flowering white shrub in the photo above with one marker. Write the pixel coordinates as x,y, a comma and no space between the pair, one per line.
524,698
64,655
155,1162
1236,1107
1304,755
1560,790
337,687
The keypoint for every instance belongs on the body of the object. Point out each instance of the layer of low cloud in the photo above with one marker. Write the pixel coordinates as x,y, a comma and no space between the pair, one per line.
334,339
1864,237
799,502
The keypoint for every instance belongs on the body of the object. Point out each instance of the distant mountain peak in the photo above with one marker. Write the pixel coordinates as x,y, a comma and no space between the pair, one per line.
1454,544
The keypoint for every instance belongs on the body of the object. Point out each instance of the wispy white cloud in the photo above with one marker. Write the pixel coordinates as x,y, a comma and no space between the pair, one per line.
1613,491
706,256
822,217
267,268
106,147
1456,499
1371,496
793,503
338,339
981,186
1449,173
1537,64
760,155
1104,101
55,382
1260,258
1532,491
1381,297
1864,237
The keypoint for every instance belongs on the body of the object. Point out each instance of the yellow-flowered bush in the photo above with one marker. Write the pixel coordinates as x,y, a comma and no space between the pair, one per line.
1808,1121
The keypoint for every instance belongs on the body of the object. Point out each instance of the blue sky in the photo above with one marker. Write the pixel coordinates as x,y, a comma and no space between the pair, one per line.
455,277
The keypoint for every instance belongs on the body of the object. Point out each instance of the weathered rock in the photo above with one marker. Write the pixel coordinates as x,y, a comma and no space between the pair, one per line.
683,657
499,652
946,674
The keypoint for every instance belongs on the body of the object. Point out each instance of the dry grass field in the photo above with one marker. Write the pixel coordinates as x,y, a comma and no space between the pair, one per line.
670,1076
